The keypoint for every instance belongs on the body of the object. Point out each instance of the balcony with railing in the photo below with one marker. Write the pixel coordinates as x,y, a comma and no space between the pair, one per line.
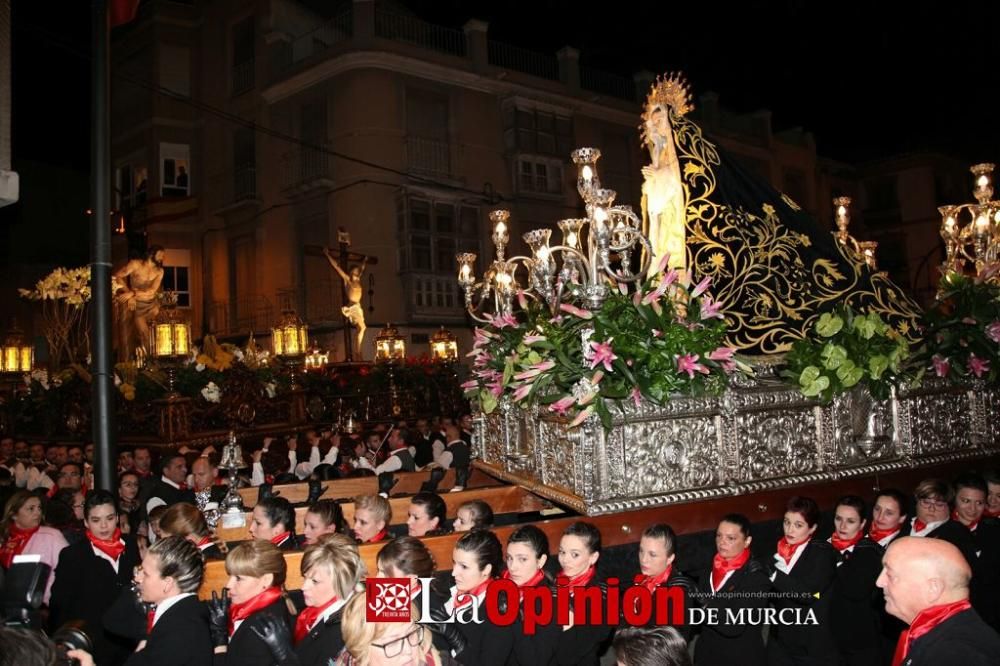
243,77
433,296
244,184
606,83
306,169
337,30
507,56
402,28
428,156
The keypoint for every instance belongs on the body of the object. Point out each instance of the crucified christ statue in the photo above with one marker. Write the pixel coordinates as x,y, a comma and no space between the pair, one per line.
353,290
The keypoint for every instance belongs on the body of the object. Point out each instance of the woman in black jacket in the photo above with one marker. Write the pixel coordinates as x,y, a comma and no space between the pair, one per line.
255,589
734,584
90,576
178,634
273,520
579,549
185,520
804,571
407,557
476,561
657,552
854,608
527,552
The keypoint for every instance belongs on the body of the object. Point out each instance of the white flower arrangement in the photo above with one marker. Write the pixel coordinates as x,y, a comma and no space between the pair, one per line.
271,389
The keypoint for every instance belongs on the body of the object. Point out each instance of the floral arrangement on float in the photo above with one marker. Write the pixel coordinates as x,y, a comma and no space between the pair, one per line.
63,295
661,340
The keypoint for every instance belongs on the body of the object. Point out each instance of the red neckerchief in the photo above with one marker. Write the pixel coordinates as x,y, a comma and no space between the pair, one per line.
918,525
307,618
113,547
242,611
465,598
972,527
787,551
205,541
15,543
843,544
721,566
562,580
531,582
877,535
378,537
924,622
150,616
653,582
281,538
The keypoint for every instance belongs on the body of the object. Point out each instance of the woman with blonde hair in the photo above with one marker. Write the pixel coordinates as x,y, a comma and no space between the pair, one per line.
332,570
254,591
22,533
372,515
385,643
185,520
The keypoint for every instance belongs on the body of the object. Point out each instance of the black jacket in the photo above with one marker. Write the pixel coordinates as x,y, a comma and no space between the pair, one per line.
486,644
962,639
86,586
166,492
676,579
245,647
583,643
179,638
954,533
323,642
856,603
984,590
734,642
539,648
813,574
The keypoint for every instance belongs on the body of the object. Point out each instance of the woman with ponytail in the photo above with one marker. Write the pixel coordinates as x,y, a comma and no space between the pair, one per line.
92,573
186,521
254,591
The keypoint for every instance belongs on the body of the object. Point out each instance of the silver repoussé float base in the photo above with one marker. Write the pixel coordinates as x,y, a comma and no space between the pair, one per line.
761,434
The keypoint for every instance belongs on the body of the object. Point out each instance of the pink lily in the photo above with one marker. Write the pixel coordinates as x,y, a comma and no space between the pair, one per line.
701,287
531,339
722,354
522,392
582,416
503,321
637,297
636,396
993,331
710,308
522,300
657,333
978,366
664,260
535,370
623,289
470,385
689,363
560,406
942,366
602,354
496,388
483,337
573,310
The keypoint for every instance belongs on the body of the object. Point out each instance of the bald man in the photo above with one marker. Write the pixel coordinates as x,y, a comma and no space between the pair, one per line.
926,585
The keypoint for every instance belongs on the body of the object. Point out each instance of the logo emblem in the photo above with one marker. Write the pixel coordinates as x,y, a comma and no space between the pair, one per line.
388,599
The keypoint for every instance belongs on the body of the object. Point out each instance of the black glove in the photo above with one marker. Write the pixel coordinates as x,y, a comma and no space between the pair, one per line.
462,476
275,634
431,485
446,629
386,481
218,618
264,491
316,490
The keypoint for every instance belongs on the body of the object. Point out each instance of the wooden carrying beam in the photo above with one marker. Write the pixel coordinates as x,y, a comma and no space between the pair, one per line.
626,528
408,484
502,499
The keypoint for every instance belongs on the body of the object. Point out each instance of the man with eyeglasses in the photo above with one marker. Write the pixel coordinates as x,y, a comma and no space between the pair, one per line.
933,518
70,477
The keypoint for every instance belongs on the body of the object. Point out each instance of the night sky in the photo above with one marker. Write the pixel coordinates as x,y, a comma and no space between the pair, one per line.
868,79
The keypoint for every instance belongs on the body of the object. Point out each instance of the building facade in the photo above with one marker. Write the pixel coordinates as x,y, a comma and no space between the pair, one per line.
249,135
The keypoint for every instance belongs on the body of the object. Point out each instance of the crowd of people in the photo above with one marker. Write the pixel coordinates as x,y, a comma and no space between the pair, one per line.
901,578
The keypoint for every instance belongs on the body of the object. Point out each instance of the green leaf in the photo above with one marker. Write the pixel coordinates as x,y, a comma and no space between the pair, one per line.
866,326
877,365
809,375
816,387
833,356
829,325
487,401
508,371
849,374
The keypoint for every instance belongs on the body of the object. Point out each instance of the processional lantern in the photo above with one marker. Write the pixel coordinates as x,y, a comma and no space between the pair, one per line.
290,342
16,356
171,342
444,346
865,250
390,346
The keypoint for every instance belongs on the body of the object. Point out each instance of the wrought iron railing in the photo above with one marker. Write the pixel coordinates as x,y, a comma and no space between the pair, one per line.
336,30
430,156
400,28
522,60
606,83
243,76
